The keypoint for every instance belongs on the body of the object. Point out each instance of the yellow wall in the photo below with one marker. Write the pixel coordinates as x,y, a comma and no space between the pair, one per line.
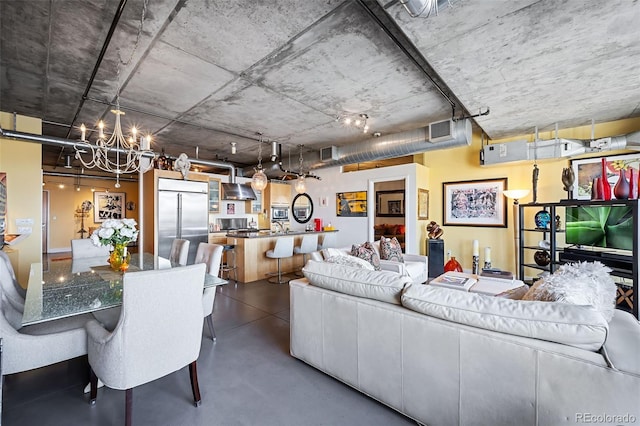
460,164
64,221
22,161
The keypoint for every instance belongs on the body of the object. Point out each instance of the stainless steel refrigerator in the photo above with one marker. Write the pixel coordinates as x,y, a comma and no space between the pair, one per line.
182,213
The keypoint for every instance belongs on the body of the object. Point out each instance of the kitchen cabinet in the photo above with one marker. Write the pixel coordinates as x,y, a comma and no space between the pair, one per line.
214,195
277,194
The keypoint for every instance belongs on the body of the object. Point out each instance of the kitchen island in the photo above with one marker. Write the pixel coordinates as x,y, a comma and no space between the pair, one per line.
253,264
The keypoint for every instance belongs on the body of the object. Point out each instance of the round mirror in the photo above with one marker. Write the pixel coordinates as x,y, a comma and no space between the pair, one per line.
302,208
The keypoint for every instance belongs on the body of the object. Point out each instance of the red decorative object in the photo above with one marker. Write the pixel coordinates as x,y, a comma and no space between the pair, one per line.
606,187
633,185
595,189
452,265
621,190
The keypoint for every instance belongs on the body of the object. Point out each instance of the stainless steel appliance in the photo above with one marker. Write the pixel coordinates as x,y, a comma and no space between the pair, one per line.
279,213
182,213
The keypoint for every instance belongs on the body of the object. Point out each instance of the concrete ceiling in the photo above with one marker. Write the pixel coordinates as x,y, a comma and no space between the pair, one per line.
206,73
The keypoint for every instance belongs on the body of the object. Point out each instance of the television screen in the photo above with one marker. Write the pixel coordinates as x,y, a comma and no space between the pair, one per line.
600,226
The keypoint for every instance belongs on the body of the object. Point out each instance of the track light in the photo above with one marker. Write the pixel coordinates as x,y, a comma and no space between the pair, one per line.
233,148
67,162
274,151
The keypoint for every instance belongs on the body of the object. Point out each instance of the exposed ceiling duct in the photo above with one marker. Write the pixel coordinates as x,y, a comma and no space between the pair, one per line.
523,150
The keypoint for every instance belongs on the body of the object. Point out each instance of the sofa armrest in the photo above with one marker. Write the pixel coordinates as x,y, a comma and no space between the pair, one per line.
390,265
415,258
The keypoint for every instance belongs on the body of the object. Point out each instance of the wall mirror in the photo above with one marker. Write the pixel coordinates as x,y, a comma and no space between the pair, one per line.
390,203
302,208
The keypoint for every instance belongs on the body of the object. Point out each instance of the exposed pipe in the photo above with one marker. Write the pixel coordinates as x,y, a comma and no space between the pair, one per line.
75,175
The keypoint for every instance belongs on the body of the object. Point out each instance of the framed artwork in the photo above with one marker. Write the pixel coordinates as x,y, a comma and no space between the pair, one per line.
390,203
231,208
108,205
475,203
587,169
351,204
423,204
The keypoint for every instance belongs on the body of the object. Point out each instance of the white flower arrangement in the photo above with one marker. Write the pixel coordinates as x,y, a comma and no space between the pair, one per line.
115,231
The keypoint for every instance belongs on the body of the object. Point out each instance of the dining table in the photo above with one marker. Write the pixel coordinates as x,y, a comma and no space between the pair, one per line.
67,287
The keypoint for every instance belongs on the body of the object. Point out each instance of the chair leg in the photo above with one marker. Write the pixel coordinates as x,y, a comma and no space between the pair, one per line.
193,375
93,383
210,324
128,410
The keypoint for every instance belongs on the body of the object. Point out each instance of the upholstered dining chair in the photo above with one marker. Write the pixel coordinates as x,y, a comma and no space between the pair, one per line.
83,248
159,332
210,255
39,345
179,252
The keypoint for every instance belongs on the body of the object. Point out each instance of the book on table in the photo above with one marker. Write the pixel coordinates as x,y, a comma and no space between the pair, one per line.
455,280
493,285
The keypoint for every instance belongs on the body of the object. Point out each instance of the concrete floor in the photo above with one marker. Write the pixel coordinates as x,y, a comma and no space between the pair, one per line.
246,378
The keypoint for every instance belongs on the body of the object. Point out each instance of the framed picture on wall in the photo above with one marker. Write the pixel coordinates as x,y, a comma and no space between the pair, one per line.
475,203
108,205
351,204
587,169
423,204
390,203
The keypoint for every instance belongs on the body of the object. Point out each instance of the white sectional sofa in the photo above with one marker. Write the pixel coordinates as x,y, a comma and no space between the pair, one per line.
446,357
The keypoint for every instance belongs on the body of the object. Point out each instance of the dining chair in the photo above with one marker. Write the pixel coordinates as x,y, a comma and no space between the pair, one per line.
12,293
329,240
159,332
179,252
83,248
39,345
210,255
308,245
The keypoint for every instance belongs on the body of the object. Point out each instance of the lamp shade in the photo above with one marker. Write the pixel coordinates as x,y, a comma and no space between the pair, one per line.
259,181
301,186
516,194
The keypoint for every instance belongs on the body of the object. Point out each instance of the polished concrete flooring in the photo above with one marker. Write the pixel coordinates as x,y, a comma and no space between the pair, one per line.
247,377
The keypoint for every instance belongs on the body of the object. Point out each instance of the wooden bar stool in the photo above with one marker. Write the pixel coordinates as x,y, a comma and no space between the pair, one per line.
283,248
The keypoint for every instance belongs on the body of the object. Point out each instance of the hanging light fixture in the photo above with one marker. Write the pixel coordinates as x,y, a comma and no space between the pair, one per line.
128,151
301,185
233,148
259,179
274,151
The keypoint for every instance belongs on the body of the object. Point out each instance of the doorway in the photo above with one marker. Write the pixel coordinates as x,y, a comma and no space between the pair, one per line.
390,214
45,221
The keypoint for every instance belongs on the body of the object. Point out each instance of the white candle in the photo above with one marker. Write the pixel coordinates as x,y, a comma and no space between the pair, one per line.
487,254
84,132
476,248
146,143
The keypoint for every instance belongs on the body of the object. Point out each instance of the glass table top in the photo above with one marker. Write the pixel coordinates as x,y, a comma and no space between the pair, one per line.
68,287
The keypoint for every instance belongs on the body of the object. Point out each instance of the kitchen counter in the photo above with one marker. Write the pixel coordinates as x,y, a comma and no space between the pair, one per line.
269,234
251,248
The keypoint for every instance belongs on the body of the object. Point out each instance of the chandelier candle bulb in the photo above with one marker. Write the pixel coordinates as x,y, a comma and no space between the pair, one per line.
101,127
83,129
476,248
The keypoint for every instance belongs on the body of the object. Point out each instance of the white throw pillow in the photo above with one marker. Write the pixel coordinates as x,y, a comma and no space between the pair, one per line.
384,286
332,252
582,283
354,262
579,326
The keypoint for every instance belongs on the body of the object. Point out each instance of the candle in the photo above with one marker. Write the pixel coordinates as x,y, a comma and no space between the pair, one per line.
101,127
146,143
476,248
487,254
83,129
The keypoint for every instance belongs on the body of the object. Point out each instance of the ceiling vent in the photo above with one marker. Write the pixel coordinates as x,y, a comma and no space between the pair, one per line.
440,131
329,153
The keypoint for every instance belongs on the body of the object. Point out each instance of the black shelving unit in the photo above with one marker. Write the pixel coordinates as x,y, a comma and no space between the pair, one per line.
527,228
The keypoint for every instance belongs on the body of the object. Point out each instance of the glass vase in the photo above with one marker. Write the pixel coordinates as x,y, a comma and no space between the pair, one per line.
604,179
119,258
453,265
621,189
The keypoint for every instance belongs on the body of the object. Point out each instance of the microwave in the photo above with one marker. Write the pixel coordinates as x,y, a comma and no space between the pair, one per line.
280,213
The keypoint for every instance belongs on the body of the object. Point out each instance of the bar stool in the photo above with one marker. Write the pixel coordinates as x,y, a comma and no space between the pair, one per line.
229,264
308,245
283,248
329,240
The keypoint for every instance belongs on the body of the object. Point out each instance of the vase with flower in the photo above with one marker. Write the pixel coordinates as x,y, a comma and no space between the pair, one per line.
116,234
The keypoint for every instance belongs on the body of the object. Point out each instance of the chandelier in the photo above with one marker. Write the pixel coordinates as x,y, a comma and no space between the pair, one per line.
259,179
355,121
128,151
301,185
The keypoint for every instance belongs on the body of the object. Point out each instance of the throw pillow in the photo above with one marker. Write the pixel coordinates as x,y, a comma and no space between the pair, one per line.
390,249
332,252
367,252
354,262
582,283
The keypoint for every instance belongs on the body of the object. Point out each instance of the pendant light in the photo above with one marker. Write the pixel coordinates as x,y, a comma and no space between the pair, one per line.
259,179
301,185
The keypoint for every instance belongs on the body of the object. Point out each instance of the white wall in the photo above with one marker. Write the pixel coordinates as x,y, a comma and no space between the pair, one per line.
360,229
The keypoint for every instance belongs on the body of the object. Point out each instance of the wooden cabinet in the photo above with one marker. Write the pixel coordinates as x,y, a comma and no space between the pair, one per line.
214,195
255,206
277,194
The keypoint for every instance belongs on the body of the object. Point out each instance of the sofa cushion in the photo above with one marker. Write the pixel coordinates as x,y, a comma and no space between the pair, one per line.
579,326
367,252
384,286
581,283
390,249
354,262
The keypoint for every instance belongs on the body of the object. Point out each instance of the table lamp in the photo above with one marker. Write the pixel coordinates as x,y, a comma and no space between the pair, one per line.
515,195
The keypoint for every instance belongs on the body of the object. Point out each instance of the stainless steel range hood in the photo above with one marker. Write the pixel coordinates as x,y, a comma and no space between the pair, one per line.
237,192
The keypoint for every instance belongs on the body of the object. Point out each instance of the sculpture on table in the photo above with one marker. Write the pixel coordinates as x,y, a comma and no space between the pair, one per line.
568,178
434,232
182,165
534,180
